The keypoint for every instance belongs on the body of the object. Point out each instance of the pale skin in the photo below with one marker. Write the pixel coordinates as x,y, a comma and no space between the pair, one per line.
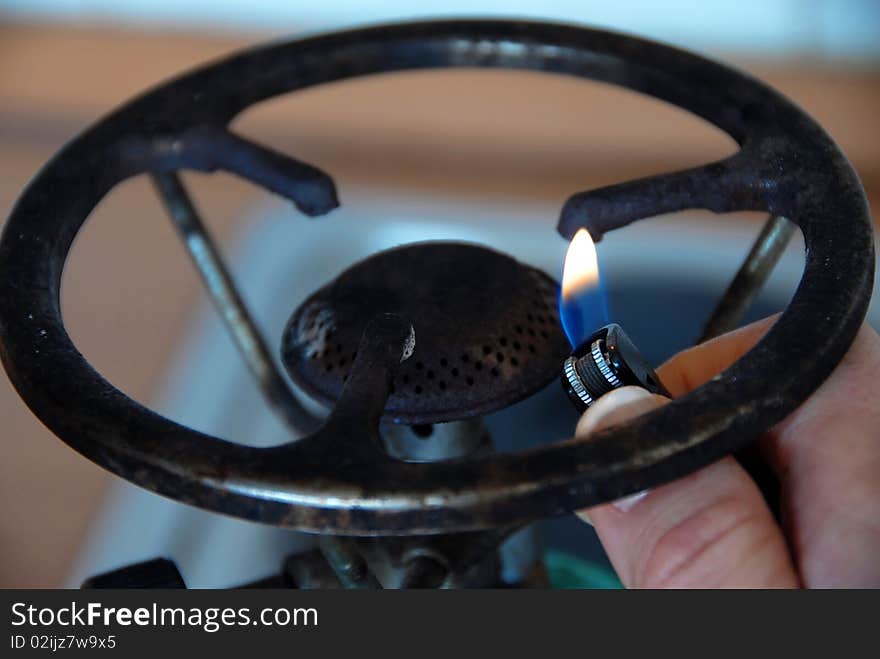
713,529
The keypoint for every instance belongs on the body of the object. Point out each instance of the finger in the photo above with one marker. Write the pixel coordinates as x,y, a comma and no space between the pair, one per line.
826,454
709,529
692,367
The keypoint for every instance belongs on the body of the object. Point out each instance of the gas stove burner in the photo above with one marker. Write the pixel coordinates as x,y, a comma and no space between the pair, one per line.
335,476
486,327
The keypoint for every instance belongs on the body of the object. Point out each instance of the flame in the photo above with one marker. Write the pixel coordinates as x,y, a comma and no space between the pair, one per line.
581,269
582,305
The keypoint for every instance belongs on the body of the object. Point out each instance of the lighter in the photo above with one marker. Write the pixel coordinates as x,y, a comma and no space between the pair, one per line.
607,359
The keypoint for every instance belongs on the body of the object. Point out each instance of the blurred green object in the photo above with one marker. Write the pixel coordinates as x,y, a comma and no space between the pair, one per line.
569,572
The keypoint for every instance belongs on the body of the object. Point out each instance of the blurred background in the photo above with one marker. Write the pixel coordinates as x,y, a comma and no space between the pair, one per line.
476,155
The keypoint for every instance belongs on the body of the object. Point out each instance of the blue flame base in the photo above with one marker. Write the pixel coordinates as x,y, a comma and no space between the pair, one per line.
582,314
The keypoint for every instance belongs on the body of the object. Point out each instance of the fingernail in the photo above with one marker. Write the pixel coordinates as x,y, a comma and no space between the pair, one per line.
622,396
626,503
615,405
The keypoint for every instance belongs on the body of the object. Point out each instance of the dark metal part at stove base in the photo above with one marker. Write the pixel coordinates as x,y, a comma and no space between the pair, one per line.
467,560
155,573
308,571
486,327
424,571
461,560
336,480
348,563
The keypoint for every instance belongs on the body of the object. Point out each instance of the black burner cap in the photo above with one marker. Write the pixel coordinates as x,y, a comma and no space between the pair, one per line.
486,327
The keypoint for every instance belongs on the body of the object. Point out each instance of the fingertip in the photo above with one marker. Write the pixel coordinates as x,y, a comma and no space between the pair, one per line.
692,367
616,407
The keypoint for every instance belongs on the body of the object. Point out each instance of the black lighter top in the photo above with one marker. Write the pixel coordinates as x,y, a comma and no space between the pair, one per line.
607,360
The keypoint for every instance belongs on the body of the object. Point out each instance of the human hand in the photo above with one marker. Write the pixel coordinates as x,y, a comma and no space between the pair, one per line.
713,529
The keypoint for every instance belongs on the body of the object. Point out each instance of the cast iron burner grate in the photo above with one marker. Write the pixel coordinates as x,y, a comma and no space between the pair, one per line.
487,330
335,476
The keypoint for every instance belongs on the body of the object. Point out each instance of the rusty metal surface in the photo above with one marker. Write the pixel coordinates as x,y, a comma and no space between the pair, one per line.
487,330
339,479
